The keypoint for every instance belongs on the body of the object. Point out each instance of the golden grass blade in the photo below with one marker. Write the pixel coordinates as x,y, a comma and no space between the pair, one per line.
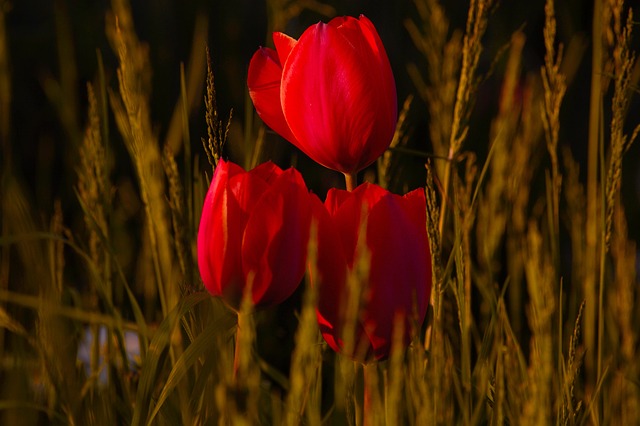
307,357
197,351
132,113
153,359
191,83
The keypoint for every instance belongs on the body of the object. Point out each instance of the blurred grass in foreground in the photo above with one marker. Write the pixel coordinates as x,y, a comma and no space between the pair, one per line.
534,314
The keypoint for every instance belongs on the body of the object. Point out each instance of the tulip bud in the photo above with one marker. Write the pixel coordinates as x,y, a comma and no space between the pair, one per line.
254,224
331,93
398,283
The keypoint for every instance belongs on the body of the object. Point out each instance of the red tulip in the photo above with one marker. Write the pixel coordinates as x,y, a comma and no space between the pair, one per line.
254,224
331,93
399,279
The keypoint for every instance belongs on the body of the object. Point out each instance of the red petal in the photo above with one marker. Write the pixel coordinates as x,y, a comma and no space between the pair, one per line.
335,198
387,92
400,274
219,236
246,190
334,97
267,171
330,333
340,20
328,275
399,281
283,44
275,241
370,193
263,80
347,220
349,209
414,205
331,258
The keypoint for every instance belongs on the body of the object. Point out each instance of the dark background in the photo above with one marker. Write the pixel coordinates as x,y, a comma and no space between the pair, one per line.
42,149
53,49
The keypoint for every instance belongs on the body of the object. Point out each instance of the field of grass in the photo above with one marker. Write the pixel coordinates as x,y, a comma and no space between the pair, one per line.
519,122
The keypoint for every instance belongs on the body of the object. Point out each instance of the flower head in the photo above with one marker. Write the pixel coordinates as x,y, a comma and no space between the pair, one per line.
393,229
331,93
254,226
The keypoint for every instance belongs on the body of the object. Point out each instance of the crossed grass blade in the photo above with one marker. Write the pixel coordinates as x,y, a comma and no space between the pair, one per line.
197,351
157,350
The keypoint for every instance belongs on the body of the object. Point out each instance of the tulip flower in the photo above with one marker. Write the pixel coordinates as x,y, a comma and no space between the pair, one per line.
254,226
398,286
331,93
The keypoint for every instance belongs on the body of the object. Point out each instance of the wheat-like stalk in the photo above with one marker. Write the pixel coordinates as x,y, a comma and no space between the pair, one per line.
540,274
400,138
443,55
132,114
624,62
554,83
306,359
625,395
93,186
217,131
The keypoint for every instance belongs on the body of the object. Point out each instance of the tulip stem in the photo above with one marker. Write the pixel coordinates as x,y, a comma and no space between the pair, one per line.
351,180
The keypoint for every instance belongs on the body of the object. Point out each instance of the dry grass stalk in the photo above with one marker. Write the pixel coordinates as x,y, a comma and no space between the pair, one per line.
430,384
24,261
306,359
571,407
435,239
393,376
464,216
178,217
400,138
238,388
477,21
443,65
474,369
132,114
247,373
522,162
575,219
540,274
356,293
510,371
93,188
433,212
373,404
216,131
554,83
494,207
593,257
56,351
625,394
192,79
623,63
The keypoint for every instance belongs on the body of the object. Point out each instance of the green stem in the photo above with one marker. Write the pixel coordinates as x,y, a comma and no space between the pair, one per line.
351,181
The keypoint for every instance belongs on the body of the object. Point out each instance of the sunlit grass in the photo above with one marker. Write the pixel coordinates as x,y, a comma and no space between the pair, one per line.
534,312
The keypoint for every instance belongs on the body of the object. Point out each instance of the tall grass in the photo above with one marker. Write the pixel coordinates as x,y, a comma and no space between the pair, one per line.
534,312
